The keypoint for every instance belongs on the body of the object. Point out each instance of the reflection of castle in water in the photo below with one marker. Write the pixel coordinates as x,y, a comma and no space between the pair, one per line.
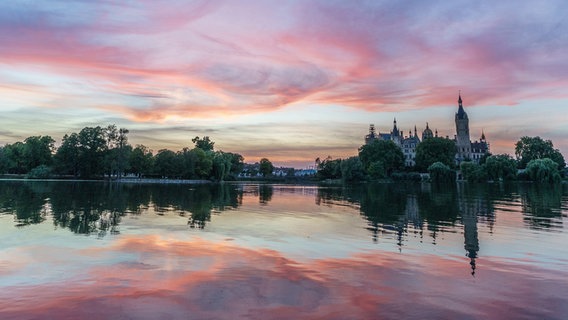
396,213
401,212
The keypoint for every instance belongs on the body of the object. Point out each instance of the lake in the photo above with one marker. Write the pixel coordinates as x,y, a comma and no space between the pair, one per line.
94,250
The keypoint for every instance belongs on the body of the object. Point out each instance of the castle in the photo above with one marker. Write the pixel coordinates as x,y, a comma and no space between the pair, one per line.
466,149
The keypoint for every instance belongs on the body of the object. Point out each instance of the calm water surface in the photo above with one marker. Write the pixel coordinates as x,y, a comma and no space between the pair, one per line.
78,250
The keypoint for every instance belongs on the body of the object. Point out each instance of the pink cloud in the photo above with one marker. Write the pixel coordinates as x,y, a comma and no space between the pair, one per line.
370,57
202,279
154,61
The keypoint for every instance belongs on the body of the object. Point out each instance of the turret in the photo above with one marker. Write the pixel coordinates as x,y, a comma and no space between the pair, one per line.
372,134
463,142
395,132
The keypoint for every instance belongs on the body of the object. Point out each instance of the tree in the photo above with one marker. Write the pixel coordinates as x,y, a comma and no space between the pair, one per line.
118,150
186,160
67,156
440,172
92,151
501,167
352,169
237,163
166,164
221,166
543,170
140,160
40,172
4,161
474,172
38,151
14,157
385,151
204,144
433,150
377,170
329,168
265,167
531,148
203,162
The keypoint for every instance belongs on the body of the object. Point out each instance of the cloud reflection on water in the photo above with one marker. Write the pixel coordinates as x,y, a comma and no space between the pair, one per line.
149,277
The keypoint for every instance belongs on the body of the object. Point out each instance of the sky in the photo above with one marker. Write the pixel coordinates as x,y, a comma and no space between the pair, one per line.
287,80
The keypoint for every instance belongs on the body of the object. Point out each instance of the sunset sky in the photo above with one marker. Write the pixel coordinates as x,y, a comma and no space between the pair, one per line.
287,80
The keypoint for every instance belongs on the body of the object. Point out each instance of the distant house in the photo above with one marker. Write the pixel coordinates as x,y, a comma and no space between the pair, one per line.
305,172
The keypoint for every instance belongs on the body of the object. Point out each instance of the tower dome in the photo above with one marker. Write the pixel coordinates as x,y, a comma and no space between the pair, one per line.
427,133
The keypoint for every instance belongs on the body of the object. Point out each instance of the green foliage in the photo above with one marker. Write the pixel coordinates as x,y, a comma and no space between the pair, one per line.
166,164
67,156
96,151
118,151
141,161
204,143
237,164
39,172
4,161
13,158
531,148
434,150
203,162
474,172
440,172
328,168
38,151
384,151
377,170
92,147
221,166
265,167
352,169
501,167
543,170
186,161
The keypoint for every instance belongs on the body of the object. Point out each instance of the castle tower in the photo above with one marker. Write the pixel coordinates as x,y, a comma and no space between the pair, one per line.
395,134
463,142
427,133
372,136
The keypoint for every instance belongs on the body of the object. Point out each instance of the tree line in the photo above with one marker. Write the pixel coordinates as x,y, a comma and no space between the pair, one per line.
535,159
97,152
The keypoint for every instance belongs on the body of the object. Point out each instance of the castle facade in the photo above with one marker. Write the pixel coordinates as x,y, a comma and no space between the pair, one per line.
467,150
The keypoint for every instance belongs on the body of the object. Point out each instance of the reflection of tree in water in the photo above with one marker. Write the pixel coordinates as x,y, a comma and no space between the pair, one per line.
336,196
542,205
383,206
197,200
98,207
87,208
438,206
265,192
28,201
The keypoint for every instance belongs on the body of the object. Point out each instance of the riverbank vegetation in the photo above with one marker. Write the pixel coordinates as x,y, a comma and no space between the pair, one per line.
98,152
104,152
535,160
